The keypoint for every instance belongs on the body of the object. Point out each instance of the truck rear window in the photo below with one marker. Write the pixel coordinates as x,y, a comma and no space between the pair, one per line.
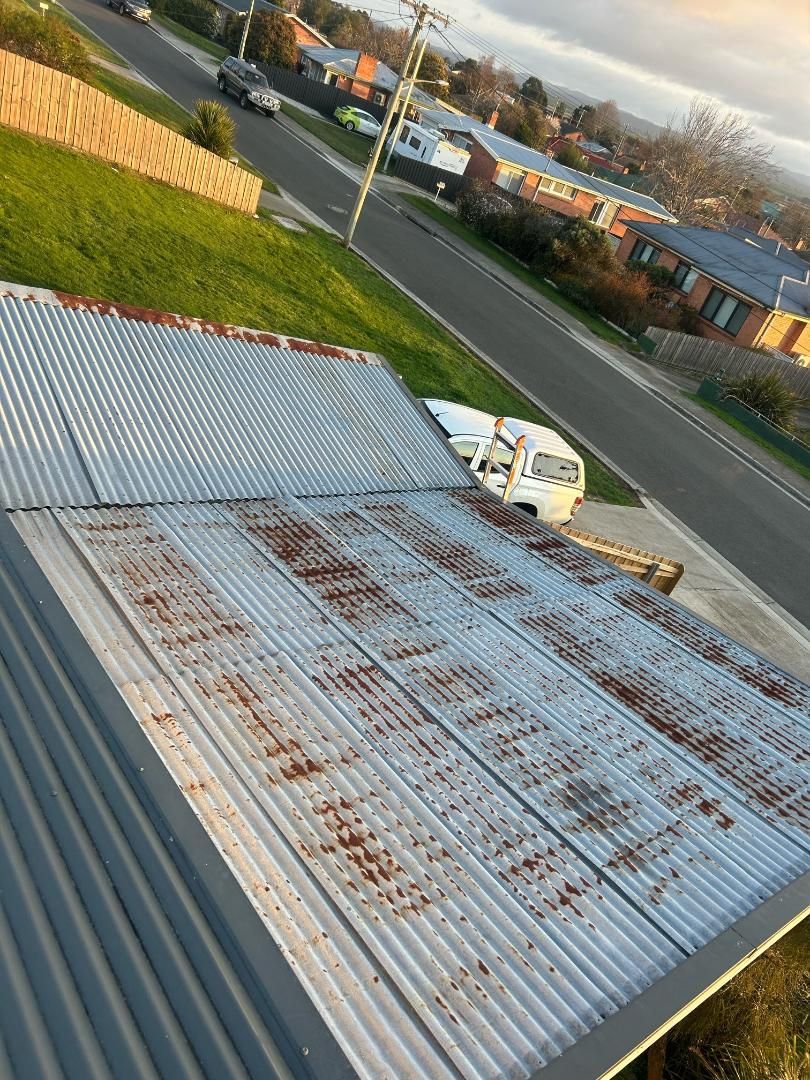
550,467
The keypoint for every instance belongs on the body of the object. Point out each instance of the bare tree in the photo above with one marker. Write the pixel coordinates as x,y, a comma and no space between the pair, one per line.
605,120
794,223
710,153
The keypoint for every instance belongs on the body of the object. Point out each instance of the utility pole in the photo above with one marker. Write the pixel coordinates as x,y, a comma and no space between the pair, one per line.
245,29
421,11
620,143
407,101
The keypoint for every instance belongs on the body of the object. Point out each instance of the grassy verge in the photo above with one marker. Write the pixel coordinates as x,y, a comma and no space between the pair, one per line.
451,223
352,146
115,235
140,97
219,52
94,45
739,426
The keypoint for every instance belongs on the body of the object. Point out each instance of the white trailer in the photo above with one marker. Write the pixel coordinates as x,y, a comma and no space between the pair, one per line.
424,144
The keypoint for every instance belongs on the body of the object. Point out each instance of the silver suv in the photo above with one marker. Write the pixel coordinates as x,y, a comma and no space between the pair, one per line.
248,84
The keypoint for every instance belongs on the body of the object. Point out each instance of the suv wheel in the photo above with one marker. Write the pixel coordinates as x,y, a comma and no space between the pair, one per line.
350,125
222,84
122,9
243,99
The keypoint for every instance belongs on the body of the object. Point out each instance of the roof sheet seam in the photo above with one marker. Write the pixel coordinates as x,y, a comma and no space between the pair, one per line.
436,718
653,735
224,500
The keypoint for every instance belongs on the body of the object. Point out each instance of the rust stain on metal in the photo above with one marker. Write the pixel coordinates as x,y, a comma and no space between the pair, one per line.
314,557
531,537
676,717
758,675
134,312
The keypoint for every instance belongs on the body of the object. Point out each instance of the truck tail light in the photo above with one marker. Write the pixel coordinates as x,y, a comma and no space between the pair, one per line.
575,505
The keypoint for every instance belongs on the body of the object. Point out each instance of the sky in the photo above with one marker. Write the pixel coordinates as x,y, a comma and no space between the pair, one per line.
653,56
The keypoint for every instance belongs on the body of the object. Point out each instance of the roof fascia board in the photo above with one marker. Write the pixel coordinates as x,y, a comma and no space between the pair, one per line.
607,1049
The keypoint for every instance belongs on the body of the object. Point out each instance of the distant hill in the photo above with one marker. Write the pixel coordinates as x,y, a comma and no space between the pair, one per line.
792,183
636,124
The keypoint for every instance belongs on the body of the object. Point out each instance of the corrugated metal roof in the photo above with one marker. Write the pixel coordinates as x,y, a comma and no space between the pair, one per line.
455,790
130,410
512,152
482,789
780,282
112,961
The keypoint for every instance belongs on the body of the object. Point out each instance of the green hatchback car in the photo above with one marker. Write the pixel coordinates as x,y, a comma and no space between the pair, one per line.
356,120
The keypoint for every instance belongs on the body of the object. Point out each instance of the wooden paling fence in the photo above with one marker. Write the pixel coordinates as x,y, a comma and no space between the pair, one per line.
706,357
46,103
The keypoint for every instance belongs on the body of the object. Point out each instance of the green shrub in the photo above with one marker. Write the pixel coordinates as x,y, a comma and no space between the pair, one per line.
624,297
46,41
529,232
689,320
579,248
198,15
767,394
270,40
574,288
478,203
212,127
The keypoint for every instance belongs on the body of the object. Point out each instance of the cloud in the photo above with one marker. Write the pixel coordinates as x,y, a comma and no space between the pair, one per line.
652,58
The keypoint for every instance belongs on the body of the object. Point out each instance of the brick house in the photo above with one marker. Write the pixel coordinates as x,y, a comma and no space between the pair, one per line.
497,159
356,72
748,289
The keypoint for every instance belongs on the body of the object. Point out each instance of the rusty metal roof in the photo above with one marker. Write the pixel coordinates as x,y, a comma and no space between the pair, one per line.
484,791
106,403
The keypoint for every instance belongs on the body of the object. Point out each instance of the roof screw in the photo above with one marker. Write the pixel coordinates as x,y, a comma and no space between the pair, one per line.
305,1050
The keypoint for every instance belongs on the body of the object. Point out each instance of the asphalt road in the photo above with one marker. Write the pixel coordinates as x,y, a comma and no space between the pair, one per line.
755,524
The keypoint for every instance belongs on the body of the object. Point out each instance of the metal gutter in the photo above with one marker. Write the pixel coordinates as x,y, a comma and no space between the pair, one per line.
607,1049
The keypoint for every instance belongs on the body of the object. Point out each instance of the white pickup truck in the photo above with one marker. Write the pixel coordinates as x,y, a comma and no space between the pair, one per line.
551,482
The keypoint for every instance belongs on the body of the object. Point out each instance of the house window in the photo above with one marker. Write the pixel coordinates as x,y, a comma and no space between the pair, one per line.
510,180
558,188
644,252
685,277
603,213
414,142
403,135
726,312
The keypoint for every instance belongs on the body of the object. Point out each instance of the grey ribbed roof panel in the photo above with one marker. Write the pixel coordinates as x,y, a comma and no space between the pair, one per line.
778,282
113,962
468,814
108,407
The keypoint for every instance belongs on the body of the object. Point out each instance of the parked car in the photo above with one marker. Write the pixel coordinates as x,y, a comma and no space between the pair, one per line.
238,77
551,483
357,120
138,9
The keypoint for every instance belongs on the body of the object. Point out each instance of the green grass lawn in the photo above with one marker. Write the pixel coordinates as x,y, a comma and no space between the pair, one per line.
452,224
115,235
93,44
738,425
142,98
219,52
352,146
